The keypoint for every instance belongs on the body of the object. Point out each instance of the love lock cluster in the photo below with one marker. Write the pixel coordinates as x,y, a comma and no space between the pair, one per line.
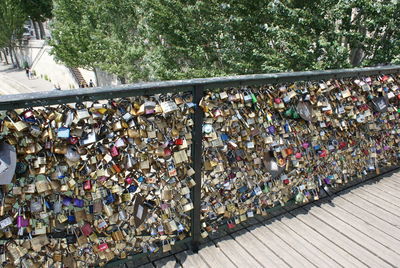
264,146
110,178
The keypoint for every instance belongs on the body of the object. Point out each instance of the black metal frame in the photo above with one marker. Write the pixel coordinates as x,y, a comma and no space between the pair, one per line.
197,87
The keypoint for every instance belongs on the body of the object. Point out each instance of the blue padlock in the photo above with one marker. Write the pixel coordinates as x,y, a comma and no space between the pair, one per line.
79,203
242,189
71,219
110,199
63,133
287,128
66,201
30,120
48,205
132,188
224,137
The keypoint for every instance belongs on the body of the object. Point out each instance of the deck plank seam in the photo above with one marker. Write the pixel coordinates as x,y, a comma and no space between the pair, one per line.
350,238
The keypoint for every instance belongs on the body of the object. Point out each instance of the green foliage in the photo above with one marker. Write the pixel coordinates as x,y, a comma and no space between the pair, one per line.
12,19
38,10
176,39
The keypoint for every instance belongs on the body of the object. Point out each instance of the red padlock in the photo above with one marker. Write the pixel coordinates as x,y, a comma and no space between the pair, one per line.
28,114
277,100
116,167
178,141
231,225
342,145
102,246
86,229
289,151
167,152
73,140
87,185
323,153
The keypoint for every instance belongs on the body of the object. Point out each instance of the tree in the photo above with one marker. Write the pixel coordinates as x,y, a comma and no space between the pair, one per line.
12,19
96,34
39,11
174,39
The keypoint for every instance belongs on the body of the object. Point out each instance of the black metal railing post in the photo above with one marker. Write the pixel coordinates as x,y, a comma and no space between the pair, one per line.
197,165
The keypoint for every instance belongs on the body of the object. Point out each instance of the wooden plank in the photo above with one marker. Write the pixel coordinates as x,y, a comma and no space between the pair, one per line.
169,262
237,254
390,183
280,247
379,193
309,251
188,259
372,208
387,189
394,178
366,216
214,256
258,250
330,249
378,201
378,253
369,230
373,231
339,239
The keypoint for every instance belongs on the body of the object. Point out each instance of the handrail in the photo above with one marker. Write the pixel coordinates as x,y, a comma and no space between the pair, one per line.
197,87
148,88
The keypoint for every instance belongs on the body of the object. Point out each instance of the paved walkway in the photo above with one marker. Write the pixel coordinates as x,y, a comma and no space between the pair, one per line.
14,81
358,228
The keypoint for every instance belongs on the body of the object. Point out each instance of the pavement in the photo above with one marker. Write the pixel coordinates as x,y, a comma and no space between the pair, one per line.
15,81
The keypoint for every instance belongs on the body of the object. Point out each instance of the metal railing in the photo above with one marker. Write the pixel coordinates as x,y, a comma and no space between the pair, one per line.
197,87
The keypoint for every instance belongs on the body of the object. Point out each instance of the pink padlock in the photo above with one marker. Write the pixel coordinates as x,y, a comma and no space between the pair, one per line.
298,155
305,145
128,180
114,151
22,222
277,100
167,152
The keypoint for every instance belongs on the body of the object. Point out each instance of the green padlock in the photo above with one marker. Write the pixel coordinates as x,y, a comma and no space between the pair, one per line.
266,189
253,98
295,115
289,112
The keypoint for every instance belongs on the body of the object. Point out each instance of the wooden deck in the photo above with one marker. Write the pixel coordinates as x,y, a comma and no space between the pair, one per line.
358,228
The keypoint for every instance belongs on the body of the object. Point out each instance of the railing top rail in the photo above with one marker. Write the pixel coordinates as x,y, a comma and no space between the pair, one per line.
150,88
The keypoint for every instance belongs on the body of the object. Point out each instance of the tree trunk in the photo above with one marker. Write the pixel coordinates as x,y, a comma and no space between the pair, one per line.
42,32
11,57
35,27
5,55
356,56
96,77
15,57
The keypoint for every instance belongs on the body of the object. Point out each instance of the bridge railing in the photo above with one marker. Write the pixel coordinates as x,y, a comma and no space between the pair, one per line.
148,166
